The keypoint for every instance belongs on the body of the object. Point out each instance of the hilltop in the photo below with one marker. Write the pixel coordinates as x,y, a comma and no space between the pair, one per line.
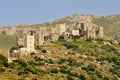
110,23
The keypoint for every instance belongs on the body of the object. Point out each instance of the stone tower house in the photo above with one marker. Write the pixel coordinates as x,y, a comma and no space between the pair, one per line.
30,42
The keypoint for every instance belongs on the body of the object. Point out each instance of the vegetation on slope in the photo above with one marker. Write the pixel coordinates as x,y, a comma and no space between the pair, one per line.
77,60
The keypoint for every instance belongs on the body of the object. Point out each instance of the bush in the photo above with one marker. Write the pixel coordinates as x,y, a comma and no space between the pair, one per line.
63,69
22,63
69,78
69,45
42,71
20,73
54,70
82,77
74,74
3,60
105,78
71,62
99,40
2,70
98,74
50,61
75,37
12,65
38,58
93,78
61,38
91,67
44,51
89,40
31,69
62,60
34,79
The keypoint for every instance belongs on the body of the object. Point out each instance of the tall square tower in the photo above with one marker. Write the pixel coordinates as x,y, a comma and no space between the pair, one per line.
30,42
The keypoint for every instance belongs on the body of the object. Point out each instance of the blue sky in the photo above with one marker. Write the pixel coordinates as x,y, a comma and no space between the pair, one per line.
37,11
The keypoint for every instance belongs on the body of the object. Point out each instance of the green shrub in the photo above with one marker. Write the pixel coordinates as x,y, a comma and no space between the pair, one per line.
82,77
89,40
20,73
62,60
3,60
12,65
105,78
93,78
69,78
44,51
31,69
54,70
61,38
98,74
42,71
69,45
2,70
63,69
50,61
22,63
100,41
75,37
71,62
34,79
91,67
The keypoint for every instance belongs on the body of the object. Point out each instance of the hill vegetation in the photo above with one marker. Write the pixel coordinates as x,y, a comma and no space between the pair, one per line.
111,24
76,60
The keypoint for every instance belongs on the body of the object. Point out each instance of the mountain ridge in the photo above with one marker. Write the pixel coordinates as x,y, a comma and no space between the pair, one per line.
110,23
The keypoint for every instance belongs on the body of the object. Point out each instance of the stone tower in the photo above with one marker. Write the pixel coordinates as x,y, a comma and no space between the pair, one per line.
30,41
101,32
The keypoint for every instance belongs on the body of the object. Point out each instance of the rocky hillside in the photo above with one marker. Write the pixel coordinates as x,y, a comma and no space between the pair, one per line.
78,60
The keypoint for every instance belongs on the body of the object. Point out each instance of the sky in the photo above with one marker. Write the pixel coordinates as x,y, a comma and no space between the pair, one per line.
14,12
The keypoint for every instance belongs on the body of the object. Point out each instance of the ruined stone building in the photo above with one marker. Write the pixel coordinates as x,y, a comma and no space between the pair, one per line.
117,37
47,35
85,29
